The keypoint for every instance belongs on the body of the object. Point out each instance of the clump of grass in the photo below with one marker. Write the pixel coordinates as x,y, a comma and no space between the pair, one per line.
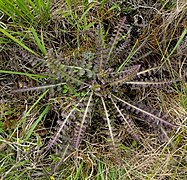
25,13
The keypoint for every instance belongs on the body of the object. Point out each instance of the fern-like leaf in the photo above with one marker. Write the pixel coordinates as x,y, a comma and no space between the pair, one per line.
109,125
125,75
149,83
81,127
55,138
128,123
68,118
115,38
65,71
142,111
39,88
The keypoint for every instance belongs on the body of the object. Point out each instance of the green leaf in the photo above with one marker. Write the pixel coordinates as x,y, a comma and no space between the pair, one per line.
17,41
28,112
39,43
25,74
36,123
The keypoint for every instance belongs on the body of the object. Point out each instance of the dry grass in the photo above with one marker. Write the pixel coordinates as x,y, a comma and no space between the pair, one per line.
25,124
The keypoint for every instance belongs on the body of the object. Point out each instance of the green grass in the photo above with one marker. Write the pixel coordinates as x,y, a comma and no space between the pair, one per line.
34,27
26,12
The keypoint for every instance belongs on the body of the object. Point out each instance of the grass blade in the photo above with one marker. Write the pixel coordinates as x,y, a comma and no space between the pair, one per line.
38,41
36,123
22,73
27,113
17,41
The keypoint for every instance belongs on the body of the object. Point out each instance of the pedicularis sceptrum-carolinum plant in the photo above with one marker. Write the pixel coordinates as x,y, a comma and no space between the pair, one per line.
109,82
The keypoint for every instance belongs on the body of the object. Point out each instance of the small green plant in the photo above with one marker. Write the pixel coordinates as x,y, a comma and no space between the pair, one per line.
107,101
